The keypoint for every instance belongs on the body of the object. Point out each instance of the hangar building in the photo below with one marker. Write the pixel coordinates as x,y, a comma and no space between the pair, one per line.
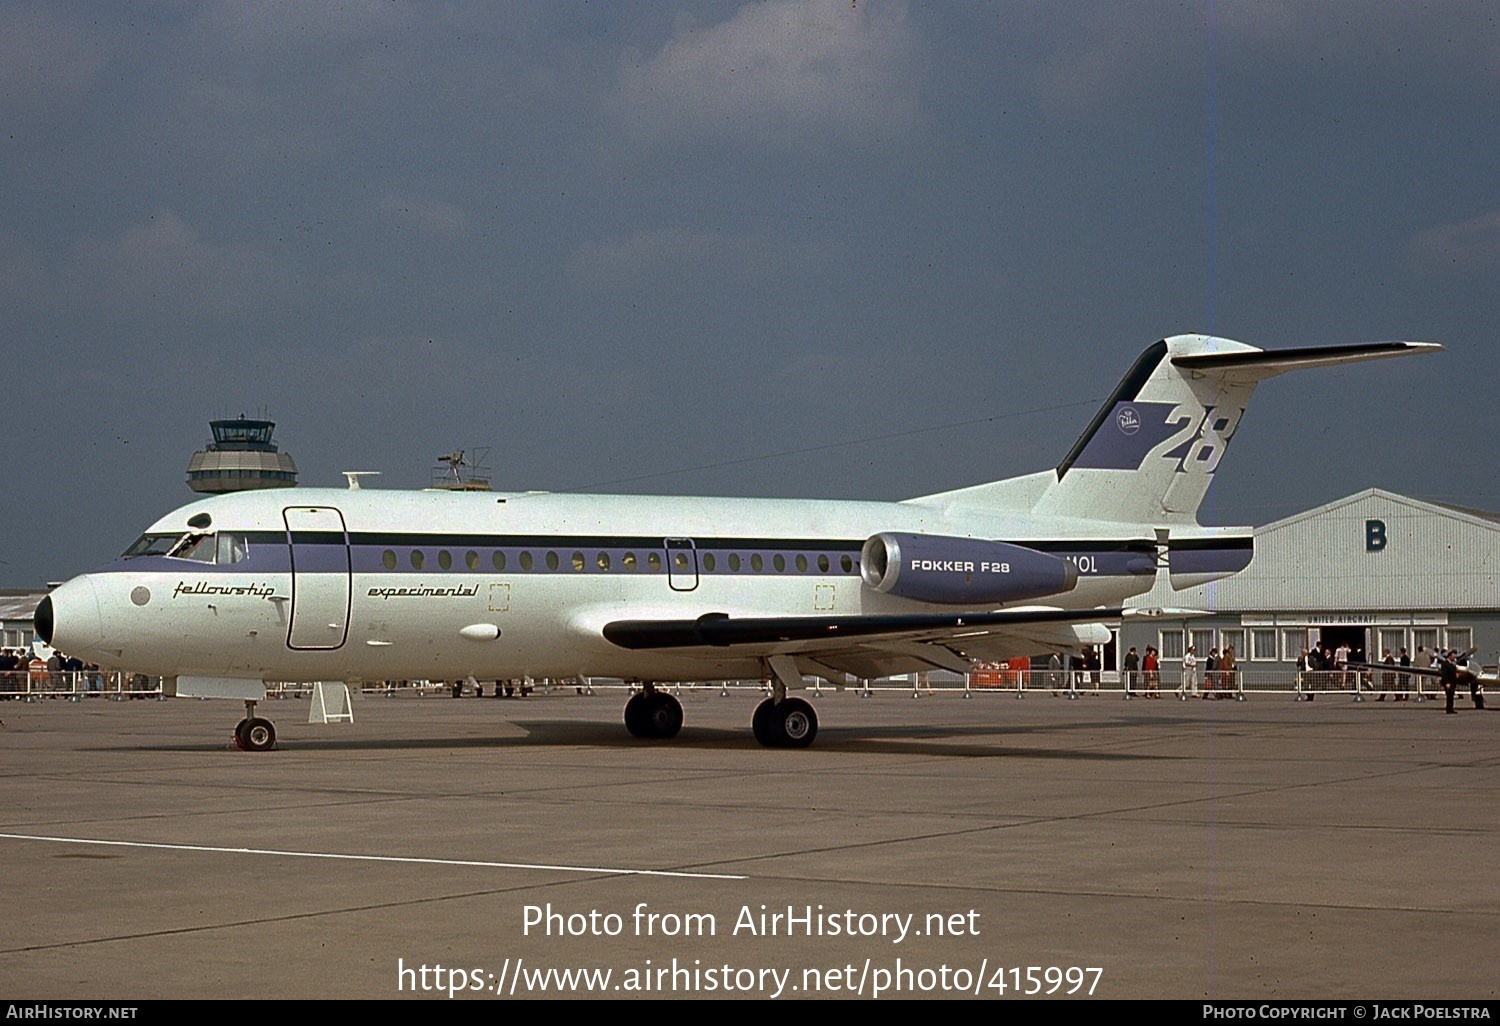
1375,570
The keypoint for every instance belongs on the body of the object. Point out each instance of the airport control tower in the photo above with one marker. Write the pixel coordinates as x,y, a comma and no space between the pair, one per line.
240,457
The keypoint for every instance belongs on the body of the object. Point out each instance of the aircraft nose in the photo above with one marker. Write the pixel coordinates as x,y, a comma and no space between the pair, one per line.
43,620
68,619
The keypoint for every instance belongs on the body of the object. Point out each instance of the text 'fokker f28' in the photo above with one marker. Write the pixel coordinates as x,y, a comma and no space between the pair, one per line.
358,585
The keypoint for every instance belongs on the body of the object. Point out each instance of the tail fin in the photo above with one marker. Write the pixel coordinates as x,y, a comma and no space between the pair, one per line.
1150,453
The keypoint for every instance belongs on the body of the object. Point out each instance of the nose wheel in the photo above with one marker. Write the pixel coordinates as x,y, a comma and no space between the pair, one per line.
253,734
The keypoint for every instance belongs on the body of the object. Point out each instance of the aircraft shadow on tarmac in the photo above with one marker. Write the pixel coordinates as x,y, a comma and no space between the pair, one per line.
894,739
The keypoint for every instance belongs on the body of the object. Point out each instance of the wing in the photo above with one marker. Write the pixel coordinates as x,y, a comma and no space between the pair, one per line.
874,646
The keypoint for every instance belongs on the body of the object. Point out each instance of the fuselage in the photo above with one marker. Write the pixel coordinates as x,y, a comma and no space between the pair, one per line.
335,584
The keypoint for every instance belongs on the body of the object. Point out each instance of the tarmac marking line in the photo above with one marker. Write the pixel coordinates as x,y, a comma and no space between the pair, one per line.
614,870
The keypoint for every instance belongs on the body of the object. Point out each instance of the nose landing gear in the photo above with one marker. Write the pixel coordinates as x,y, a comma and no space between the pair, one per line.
253,734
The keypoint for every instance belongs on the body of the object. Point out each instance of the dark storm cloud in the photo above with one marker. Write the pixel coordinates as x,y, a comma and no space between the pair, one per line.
616,241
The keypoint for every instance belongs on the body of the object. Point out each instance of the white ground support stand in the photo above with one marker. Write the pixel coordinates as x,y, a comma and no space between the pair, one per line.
331,703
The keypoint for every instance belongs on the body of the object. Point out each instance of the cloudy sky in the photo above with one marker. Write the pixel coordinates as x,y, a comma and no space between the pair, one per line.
869,250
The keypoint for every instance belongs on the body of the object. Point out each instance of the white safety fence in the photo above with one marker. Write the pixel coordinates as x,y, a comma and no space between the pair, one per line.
1238,685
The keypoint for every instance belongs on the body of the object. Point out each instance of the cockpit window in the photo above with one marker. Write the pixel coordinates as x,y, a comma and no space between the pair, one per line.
198,547
153,545
232,547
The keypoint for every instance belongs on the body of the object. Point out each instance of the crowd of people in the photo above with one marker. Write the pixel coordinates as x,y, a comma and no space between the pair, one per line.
23,671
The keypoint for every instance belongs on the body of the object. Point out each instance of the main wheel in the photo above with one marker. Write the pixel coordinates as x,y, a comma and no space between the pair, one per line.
665,714
258,735
790,723
797,722
761,724
653,715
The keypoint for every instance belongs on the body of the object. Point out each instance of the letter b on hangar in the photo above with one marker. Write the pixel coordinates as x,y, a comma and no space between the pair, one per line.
1375,535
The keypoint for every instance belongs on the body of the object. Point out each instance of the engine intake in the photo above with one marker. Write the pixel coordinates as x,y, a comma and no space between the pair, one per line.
961,571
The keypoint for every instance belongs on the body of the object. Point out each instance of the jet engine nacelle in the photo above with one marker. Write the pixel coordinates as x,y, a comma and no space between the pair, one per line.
968,571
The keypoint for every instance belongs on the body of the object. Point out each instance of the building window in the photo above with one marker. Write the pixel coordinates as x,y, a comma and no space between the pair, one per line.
1293,643
1392,640
1170,644
1424,637
1235,638
1263,644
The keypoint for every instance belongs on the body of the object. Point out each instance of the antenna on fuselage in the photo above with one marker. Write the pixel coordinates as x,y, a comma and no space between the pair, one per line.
354,476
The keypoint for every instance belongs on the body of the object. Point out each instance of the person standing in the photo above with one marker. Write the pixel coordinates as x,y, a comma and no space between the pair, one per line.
1189,685
1403,680
1151,667
1132,667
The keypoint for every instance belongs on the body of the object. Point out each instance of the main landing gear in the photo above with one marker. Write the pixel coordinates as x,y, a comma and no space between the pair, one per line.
653,714
779,721
254,734
790,723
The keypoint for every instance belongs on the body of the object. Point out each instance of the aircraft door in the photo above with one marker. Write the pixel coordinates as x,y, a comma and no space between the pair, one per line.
320,577
682,564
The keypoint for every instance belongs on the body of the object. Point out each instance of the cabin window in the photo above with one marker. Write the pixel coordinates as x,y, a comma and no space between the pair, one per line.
417,559
653,560
734,562
498,560
708,562
551,560
757,563
629,562
526,561
471,560
847,563
388,559
779,561
823,564
604,561
801,563
445,559
578,562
